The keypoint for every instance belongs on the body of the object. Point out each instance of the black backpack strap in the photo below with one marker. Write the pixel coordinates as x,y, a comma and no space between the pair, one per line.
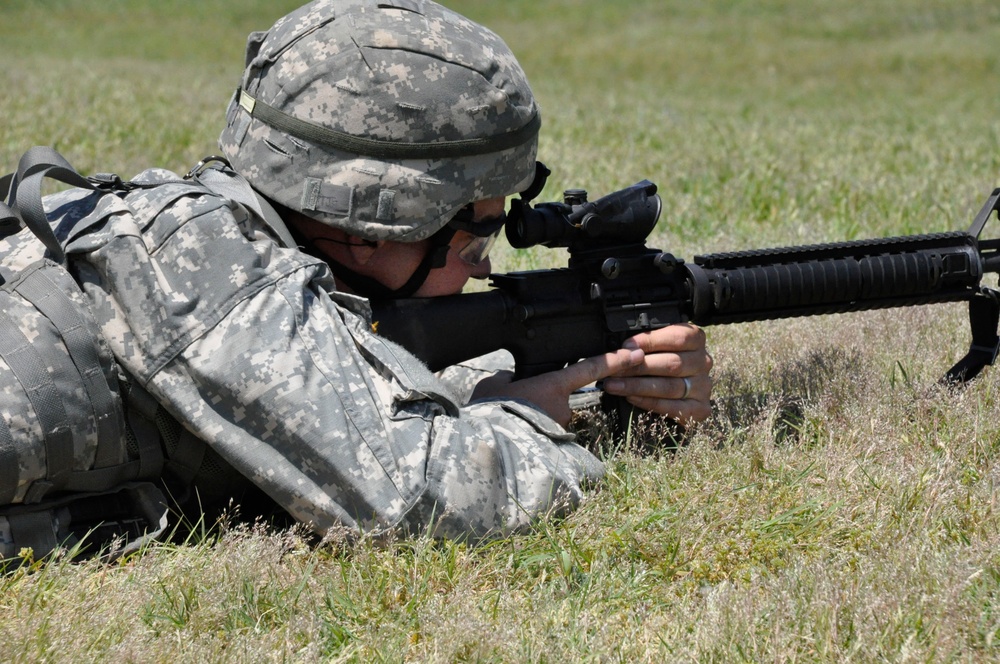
33,530
25,192
8,464
10,221
141,411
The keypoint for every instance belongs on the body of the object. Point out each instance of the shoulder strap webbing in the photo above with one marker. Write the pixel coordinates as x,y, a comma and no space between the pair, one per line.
185,459
8,464
10,222
141,410
25,192
232,185
99,479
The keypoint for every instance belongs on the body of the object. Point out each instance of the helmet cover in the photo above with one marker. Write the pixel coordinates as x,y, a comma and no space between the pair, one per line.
381,118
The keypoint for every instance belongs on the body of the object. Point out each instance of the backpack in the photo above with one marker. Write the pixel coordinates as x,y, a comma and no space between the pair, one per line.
73,471
87,456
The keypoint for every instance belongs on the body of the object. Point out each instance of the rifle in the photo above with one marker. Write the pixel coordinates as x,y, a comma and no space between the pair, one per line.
614,286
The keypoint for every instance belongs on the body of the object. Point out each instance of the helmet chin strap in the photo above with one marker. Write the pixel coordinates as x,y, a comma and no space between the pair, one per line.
436,257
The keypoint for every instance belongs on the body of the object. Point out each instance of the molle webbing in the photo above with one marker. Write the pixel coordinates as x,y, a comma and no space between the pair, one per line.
380,149
8,464
27,364
79,337
47,376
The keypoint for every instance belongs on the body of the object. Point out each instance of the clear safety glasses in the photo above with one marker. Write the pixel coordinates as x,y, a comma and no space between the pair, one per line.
484,234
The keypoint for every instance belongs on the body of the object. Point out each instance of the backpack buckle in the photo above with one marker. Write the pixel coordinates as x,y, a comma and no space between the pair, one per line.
206,163
108,181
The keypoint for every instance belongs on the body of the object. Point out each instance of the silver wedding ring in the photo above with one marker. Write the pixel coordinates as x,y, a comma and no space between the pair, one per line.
687,388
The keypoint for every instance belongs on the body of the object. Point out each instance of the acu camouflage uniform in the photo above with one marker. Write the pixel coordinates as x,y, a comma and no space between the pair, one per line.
246,343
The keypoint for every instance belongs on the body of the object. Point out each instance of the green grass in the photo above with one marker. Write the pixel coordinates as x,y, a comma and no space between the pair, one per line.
841,506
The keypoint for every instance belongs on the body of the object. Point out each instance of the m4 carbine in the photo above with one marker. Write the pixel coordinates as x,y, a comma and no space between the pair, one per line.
615,286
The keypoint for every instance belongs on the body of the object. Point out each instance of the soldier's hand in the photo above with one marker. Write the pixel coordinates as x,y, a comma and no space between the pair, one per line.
550,391
673,377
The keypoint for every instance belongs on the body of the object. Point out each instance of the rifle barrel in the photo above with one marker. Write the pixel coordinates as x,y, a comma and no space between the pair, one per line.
834,278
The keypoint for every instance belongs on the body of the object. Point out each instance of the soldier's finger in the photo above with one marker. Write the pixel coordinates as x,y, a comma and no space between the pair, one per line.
675,388
673,338
596,368
684,363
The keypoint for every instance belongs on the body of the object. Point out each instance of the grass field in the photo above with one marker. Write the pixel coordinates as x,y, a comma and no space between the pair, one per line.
866,530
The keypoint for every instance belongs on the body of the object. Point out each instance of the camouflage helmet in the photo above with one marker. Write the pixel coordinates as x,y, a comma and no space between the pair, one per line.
381,118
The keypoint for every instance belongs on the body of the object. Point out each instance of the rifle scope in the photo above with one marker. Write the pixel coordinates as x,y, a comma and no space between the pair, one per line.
623,217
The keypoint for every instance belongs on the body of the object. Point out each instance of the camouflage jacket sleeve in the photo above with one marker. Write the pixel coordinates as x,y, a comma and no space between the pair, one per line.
241,340
462,378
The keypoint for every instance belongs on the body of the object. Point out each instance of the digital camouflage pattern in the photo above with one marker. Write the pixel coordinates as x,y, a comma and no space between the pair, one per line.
462,378
401,72
58,387
247,344
69,467
256,364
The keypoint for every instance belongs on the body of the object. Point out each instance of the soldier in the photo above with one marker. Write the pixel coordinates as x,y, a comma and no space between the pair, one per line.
388,136
380,141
